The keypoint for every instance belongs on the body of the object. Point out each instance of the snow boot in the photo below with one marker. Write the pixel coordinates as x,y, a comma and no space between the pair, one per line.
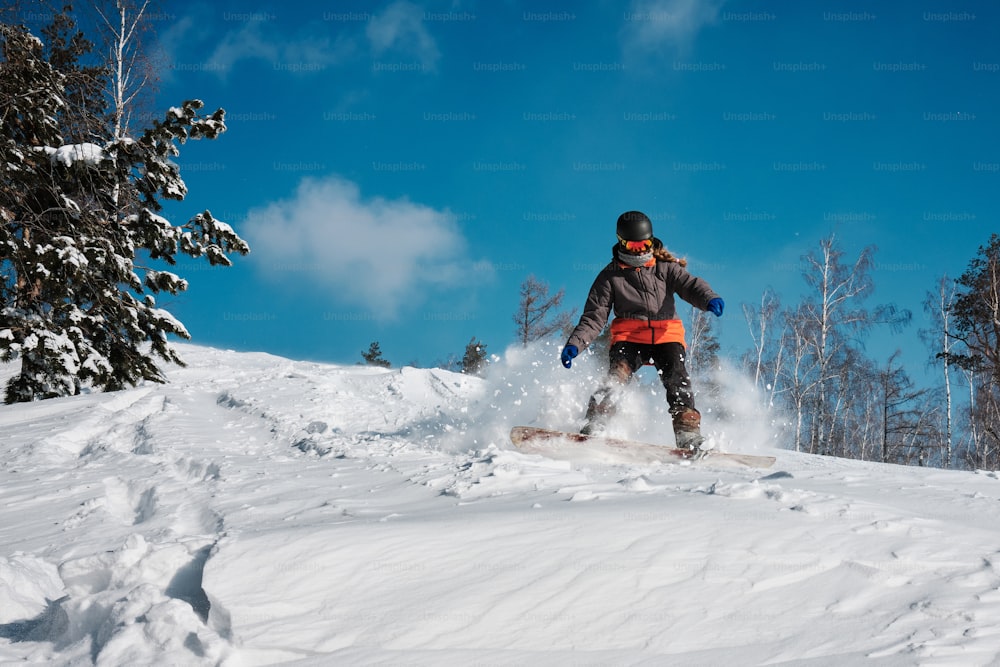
687,429
600,409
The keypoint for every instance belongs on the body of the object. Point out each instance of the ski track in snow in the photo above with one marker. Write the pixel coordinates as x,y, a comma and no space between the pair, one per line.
259,511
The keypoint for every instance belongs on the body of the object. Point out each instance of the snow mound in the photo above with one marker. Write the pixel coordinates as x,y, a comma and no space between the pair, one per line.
258,510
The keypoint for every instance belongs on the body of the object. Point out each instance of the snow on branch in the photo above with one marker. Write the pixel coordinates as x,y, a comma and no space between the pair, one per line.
89,154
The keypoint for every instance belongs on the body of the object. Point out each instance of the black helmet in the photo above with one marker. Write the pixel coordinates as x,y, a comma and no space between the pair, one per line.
634,226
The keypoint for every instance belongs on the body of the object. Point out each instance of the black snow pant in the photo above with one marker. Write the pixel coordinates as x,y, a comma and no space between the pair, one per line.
627,358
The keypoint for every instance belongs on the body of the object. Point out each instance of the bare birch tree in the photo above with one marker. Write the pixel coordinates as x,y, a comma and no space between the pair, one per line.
938,306
538,314
798,375
124,25
703,345
830,312
765,359
760,322
902,422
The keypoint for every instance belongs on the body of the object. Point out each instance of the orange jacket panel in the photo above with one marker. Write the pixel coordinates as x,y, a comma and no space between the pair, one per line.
648,332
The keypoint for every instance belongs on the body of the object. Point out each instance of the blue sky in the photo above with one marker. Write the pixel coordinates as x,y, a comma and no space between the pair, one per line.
400,167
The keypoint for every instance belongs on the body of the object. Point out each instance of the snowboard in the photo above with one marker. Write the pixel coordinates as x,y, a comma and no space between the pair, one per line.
580,447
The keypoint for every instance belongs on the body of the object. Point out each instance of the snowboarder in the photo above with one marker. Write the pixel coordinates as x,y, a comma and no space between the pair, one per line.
639,285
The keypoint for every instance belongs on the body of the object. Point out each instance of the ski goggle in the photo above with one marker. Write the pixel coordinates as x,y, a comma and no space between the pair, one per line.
636,246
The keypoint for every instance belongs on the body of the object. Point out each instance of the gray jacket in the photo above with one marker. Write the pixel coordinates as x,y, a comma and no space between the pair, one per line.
645,293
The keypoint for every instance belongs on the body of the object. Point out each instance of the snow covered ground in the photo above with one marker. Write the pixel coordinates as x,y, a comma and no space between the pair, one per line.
258,510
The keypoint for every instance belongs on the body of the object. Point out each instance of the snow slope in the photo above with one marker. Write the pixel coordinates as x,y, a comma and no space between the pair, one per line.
258,510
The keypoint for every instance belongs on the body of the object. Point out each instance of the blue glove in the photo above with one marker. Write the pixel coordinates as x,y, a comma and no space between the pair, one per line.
568,354
716,305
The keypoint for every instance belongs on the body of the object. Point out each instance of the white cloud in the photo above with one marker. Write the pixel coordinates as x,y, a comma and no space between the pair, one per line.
376,254
191,44
245,43
305,52
656,24
171,43
401,28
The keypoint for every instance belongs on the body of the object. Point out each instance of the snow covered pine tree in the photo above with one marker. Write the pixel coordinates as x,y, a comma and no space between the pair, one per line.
73,308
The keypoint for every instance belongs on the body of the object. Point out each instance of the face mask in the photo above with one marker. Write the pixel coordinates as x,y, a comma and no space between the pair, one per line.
635,260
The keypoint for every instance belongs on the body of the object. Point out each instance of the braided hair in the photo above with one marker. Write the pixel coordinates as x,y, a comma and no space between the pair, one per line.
661,254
